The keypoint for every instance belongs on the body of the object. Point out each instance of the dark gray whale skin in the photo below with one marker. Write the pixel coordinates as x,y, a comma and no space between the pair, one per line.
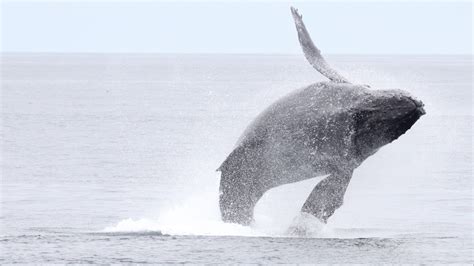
326,128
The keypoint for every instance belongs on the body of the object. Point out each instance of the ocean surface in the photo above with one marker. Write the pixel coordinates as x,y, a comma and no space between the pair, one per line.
112,159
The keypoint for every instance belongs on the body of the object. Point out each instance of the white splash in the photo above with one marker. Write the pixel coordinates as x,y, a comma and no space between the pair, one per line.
306,225
197,216
200,216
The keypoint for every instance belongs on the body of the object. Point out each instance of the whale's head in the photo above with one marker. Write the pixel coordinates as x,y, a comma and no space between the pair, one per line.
382,116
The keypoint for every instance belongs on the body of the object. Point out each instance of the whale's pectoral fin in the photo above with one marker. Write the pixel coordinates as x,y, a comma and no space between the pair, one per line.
312,53
328,195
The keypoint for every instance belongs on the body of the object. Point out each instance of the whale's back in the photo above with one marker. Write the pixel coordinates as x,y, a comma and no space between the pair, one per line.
311,106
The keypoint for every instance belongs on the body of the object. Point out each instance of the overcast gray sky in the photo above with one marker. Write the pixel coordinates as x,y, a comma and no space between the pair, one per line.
245,27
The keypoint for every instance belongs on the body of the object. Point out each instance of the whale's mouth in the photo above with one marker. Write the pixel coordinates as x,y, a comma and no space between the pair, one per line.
404,123
376,127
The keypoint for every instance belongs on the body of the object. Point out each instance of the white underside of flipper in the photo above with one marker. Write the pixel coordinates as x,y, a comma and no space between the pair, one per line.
312,53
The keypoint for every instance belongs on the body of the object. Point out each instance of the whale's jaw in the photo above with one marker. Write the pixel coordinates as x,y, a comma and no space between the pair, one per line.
385,122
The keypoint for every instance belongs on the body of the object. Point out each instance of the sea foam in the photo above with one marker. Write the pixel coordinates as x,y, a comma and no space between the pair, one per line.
199,215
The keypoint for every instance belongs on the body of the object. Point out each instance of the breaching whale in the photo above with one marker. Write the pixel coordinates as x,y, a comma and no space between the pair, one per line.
327,128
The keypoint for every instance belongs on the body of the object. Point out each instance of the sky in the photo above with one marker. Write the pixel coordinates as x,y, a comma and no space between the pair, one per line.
337,27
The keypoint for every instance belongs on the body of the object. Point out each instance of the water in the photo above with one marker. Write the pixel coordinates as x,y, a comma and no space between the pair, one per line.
112,158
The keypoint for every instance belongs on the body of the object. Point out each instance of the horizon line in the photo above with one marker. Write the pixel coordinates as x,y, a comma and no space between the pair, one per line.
218,53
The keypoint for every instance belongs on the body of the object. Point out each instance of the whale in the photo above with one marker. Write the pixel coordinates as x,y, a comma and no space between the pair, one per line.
324,129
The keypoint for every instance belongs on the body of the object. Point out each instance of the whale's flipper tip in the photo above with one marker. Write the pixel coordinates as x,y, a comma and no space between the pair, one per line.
311,52
294,12
296,16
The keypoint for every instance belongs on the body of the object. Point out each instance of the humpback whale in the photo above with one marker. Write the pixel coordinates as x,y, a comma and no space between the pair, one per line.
327,128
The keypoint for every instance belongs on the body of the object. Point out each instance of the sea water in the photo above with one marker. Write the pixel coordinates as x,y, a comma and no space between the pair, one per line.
112,158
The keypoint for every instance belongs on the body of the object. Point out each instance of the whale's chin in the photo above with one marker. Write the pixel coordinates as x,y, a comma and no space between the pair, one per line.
403,124
376,132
